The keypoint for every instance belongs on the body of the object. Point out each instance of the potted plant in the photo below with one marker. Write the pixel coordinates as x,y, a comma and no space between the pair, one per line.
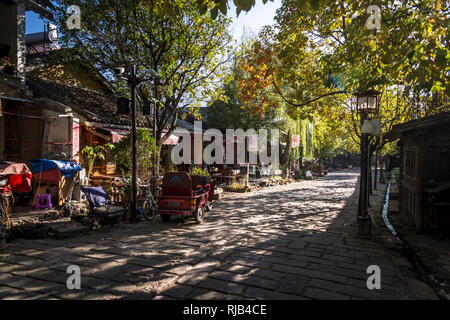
94,153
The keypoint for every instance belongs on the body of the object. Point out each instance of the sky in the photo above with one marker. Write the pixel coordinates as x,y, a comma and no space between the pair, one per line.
259,16
253,21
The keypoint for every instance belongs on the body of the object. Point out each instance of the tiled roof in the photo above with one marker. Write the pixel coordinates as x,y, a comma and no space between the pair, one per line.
11,86
93,105
440,119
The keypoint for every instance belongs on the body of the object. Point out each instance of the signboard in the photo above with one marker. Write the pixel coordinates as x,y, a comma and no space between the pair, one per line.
295,141
371,126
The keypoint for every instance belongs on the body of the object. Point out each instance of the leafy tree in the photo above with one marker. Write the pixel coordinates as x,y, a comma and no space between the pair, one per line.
189,50
93,153
323,48
145,150
221,6
411,47
233,115
319,53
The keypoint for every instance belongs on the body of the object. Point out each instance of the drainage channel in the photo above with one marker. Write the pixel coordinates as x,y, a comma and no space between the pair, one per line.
386,220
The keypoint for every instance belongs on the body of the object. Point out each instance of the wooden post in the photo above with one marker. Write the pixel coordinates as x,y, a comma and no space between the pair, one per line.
376,170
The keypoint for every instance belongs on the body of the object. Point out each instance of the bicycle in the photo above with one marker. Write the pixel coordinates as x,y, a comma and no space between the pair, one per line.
6,203
149,205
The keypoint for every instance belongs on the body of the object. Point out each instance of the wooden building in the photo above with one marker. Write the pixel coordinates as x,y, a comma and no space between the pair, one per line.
424,165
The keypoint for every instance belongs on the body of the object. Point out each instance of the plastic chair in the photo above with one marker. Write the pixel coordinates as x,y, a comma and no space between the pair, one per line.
43,201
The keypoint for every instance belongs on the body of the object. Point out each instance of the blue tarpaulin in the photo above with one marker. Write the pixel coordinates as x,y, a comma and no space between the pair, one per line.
67,168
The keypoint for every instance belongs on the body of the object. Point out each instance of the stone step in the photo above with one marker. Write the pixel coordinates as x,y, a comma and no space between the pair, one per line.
70,230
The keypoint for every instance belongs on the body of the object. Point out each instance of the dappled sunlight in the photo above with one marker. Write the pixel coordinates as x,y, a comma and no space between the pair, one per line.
289,242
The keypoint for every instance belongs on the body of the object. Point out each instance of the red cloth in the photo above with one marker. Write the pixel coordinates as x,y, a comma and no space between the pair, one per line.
20,182
48,175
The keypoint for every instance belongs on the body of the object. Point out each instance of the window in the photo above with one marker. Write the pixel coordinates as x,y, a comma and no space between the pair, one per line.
410,162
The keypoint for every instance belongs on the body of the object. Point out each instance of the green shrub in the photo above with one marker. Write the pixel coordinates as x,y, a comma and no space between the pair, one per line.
145,151
395,174
199,172
94,153
237,187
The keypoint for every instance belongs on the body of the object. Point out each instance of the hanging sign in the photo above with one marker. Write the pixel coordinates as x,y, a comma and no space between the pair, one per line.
295,141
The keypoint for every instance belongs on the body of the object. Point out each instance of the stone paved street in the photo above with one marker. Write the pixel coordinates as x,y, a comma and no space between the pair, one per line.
287,242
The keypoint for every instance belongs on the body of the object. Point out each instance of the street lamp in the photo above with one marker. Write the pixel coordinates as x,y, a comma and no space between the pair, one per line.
366,104
134,82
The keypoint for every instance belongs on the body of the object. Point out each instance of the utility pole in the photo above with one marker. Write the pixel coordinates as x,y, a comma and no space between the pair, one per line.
132,80
363,216
366,104
156,156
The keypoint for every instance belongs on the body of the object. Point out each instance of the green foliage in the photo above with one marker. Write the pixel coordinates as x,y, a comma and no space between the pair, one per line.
124,187
410,49
216,6
318,48
237,187
94,153
145,151
190,51
300,175
200,172
395,174
232,114
275,179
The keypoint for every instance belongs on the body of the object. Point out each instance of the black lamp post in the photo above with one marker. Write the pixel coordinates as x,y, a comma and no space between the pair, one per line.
366,104
134,82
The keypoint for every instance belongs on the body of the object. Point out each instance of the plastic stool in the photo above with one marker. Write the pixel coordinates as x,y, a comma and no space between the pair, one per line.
47,201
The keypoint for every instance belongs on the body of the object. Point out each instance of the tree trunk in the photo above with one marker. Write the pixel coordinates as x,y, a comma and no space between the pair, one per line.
369,168
369,171
156,164
381,170
285,157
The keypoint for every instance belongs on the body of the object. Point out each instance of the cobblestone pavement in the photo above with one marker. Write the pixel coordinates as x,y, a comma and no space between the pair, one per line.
287,242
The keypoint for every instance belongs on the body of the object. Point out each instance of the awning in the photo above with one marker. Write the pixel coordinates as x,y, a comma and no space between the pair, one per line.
118,135
172,140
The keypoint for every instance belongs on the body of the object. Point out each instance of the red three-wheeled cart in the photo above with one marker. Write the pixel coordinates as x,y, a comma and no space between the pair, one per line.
185,195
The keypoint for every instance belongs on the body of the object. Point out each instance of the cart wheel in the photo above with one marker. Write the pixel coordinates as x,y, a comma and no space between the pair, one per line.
165,217
199,215
209,206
